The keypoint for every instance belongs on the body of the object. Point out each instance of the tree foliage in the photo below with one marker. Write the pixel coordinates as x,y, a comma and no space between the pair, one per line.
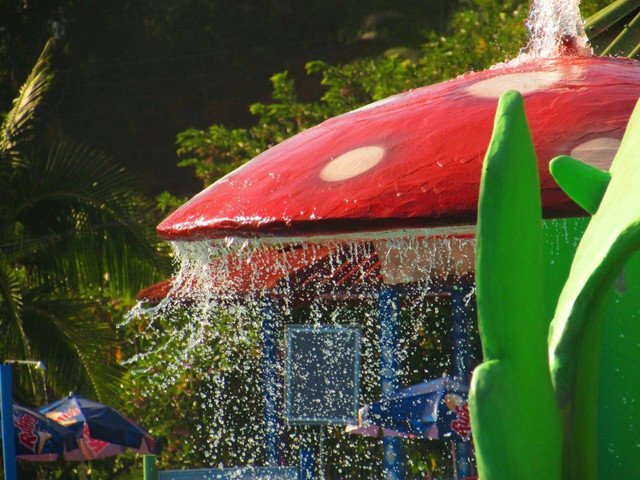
142,70
74,238
482,33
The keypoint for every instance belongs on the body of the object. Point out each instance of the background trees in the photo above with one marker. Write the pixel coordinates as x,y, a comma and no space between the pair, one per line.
76,243
133,73
75,236
480,33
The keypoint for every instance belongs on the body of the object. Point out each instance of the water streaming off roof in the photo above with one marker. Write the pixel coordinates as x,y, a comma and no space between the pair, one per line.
209,324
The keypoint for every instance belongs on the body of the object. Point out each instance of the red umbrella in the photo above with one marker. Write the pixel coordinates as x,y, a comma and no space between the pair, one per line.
414,159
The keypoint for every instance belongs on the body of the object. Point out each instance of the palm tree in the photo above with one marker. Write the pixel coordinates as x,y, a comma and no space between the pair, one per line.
73,235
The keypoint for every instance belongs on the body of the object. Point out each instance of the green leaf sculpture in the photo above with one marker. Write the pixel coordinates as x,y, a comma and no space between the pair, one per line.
575,337
590,430
514,415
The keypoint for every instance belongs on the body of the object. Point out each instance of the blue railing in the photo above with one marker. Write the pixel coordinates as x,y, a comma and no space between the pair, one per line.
305,471
257,473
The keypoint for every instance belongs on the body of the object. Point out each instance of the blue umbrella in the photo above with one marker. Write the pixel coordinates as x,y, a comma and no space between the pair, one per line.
436,409
102,431
38,438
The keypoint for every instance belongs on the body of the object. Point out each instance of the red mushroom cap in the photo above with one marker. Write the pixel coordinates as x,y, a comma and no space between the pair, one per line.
414,159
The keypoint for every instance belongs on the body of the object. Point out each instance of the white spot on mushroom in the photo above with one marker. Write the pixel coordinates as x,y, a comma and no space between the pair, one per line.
598,152
524,83
352,163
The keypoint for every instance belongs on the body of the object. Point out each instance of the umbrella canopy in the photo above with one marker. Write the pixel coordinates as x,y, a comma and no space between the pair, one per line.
38,438
102,431
414,159
436,409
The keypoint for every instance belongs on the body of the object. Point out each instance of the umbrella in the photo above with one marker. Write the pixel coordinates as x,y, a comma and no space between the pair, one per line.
38,438
102,431
436,409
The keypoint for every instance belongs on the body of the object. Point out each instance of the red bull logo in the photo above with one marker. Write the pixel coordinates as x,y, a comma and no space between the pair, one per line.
91,447
28,435
462,424
26,426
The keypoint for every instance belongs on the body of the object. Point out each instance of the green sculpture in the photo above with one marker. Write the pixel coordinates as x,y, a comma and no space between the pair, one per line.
594,338
575,337
514,417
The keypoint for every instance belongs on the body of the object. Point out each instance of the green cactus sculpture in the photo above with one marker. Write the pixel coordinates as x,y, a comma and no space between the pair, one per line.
591,362
514,416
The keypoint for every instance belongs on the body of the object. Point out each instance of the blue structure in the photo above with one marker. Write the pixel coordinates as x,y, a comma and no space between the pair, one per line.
304,471
6,409
460,311
388,312
322,375
394,462
389,324
306,464
270,328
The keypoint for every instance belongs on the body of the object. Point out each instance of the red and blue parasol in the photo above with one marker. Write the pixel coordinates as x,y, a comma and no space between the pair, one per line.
39,439
101,430
436,409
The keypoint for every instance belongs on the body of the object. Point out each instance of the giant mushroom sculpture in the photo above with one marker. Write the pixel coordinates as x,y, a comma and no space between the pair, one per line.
414,159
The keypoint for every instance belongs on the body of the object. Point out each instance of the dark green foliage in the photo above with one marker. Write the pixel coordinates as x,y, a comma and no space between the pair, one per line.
132,73
482,33
180,405
75,239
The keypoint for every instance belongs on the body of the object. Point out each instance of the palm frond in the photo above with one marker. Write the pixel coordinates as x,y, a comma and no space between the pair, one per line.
77,343
11,304
14,341
86,225
17,122
73,233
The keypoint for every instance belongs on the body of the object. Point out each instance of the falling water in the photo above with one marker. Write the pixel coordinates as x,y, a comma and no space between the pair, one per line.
556,27
210,324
